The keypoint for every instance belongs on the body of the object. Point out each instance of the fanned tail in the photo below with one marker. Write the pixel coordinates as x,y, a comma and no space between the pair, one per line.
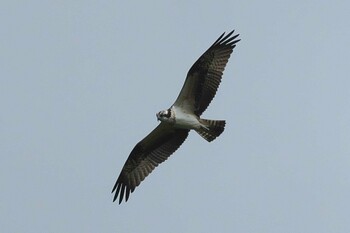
211,129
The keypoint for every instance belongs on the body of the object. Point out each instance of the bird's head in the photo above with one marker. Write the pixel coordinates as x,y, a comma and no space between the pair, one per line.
164,116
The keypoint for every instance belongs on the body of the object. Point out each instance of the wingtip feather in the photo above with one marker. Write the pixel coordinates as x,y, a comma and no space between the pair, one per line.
226,39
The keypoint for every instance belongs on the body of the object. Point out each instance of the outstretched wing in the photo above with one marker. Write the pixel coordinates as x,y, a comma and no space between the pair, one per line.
204,77
154,149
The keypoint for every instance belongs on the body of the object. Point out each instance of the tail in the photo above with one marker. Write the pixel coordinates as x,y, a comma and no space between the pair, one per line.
211,129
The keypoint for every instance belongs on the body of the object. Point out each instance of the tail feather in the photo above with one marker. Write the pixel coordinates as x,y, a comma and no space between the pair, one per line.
211,129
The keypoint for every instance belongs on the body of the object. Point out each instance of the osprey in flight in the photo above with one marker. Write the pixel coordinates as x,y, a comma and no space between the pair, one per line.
201,84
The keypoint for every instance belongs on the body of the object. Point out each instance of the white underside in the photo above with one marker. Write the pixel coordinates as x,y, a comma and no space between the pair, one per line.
185,120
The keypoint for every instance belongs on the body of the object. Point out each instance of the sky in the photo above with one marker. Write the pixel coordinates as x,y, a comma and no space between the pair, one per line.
81,82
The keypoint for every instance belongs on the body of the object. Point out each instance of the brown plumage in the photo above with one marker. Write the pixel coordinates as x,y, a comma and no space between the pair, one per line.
154,149
206,74
201,84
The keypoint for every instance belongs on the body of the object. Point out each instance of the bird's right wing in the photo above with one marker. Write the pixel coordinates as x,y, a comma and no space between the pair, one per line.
154,149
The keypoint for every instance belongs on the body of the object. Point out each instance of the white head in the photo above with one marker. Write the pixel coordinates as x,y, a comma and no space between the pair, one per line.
165,116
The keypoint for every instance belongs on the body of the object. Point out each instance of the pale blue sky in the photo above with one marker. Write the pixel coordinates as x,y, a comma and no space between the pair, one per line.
81,81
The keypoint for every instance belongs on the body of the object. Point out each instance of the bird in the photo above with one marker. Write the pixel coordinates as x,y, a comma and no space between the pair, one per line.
200,87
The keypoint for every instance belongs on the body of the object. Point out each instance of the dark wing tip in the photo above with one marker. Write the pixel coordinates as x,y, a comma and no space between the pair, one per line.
227,39
120,189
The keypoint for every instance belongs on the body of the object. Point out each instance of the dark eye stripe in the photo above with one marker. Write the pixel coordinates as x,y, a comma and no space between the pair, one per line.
168,113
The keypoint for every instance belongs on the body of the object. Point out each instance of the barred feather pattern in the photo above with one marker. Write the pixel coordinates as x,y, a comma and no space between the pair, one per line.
212,129
146,156
200,87
204,77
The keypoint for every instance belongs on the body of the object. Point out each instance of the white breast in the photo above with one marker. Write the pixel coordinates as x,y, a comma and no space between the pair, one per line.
184,119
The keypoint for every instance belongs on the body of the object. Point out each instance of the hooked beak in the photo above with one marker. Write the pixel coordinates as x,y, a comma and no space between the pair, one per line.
157,115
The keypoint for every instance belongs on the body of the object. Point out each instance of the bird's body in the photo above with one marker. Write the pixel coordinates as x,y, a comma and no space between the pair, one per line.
180,118
201,84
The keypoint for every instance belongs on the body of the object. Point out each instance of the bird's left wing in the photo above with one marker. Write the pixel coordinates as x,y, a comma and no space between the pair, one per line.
204,77
154,149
